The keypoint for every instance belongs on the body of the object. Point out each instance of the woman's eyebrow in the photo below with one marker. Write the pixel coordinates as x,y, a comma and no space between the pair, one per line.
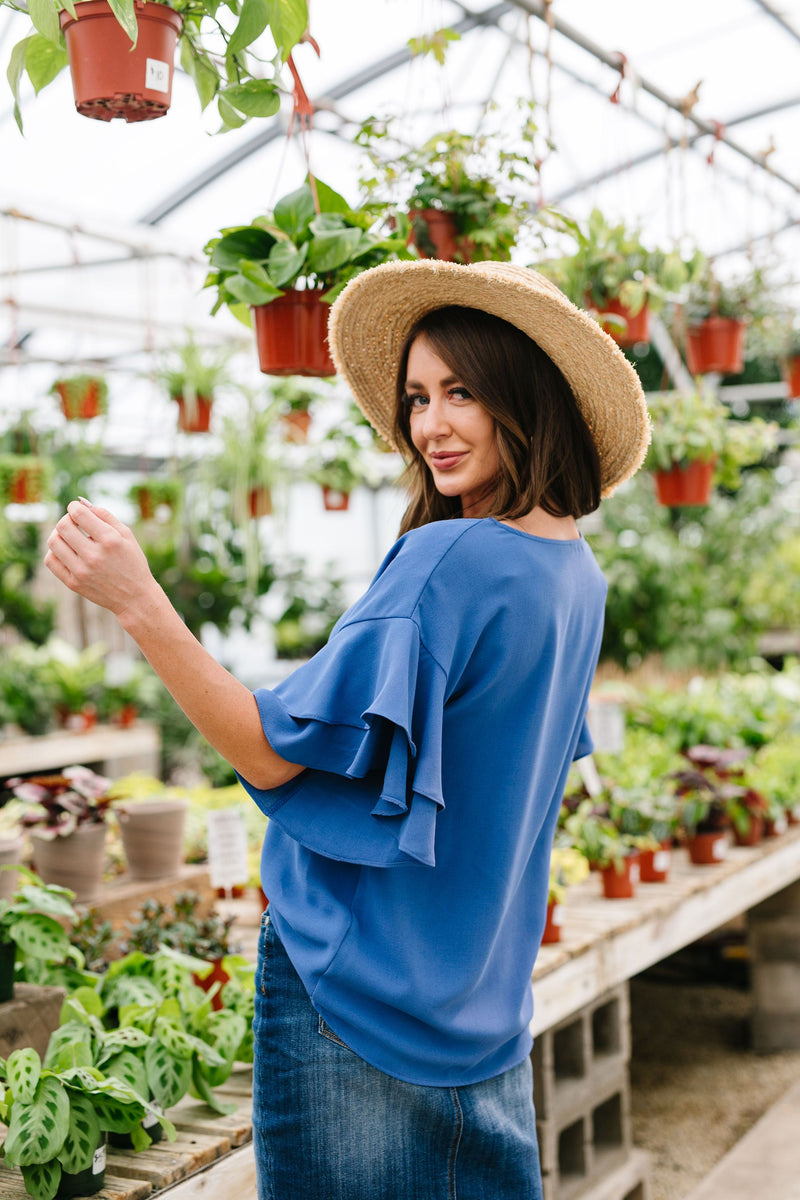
420,387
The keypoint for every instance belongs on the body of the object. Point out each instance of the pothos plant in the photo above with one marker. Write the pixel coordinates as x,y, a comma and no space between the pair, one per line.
217,43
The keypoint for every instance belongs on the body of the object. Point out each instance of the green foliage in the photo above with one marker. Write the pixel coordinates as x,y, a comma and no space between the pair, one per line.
30,915
180,927
73,389
20,555
743,298
695,425
296,244
313,606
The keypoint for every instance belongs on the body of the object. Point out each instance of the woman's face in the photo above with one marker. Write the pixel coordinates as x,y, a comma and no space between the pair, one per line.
453,433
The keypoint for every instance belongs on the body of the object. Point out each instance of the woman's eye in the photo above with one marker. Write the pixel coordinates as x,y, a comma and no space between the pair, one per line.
415,402
459,394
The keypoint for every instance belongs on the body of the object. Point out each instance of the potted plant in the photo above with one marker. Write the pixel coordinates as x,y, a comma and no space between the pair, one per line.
312,608
294,401
614,275
612,853
24,478
716,316
29,925
338,468
791,364
455,196
152,494
152,832
289,266
248,466
129,686
649,816
747,810
67,825
191,374
774,771
121,55
82,396
692,435
704,790
567,866
75,678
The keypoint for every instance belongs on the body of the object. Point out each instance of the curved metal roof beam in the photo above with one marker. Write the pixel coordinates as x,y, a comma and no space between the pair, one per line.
353,82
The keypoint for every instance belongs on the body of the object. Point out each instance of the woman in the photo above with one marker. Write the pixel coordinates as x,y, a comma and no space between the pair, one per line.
412,771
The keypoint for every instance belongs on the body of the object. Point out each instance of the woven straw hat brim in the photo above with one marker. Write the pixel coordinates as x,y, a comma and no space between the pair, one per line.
372,317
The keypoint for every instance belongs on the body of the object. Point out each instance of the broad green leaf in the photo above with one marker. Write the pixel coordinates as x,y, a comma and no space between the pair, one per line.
115,1115
129,1068
175,1040
71,1055
329,200
83,1136
128,1037
16,65
293,213
44,15
123,10
285,263
36,1130
133,989
66,1038
42,1179
249,243
331,250
224,1031
23,1070
80,1005
39,936
228,114
168,1076
252,23
288,21
252,285
137,1016
200,71
255,98
202,1090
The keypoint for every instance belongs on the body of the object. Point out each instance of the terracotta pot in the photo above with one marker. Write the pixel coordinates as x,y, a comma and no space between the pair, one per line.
707,848
774,827
85,1183
684,486
234,892
754,834
552,925
109,79
654,865
196,417
793,377
77,722
10,855
152,836
217,975
637,328
621,885
438,230
75,861
296,425
335,501
26,486
717,344
83,407
126,716
259,502
8,954
292,335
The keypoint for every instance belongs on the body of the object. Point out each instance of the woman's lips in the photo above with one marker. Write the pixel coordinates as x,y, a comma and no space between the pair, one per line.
444,462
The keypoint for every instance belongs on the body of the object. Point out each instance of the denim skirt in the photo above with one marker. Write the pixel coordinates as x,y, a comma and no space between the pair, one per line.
328,1126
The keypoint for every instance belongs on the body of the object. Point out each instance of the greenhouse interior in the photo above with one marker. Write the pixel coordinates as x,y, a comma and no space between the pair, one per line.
640,162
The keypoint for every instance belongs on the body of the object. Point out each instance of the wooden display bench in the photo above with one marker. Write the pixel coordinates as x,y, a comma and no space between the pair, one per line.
110,749
205,1140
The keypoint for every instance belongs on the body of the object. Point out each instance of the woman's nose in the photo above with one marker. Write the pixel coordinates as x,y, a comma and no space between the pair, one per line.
435,420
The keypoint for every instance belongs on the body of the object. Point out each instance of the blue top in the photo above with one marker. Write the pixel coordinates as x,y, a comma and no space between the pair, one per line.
407,869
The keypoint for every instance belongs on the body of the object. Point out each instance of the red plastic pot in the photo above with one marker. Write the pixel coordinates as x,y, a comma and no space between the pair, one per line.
85,407
296,425
621,884
440,231
684,486
654,865
717,344
707,848
217,975
259,502
335,501
109,78
552,925
292,335
196,417
753,835
793,377
637,328
26,486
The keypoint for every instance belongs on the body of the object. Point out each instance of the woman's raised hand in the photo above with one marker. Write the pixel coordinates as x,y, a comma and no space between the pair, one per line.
95,555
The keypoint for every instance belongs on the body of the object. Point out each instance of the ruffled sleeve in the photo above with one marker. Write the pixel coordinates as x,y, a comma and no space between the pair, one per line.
365,715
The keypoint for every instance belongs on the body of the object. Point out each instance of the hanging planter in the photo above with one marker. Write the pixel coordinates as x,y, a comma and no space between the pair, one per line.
259,502
153,494
553,922
296,424
110,78
717,344
292,335
434,232
82,397
792,376
681,487
335,501
194,416
23,478
637,327
620,878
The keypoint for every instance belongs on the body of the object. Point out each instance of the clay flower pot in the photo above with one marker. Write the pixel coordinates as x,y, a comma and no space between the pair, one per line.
775,826
217,975
717,344
707,848
109,78
26,485
621,884
792,375
654,865
259,502
195,417
296,425
75,861
292,335
152,836
438,232
334,501
637,328
684,486
85,405
752,835
552,925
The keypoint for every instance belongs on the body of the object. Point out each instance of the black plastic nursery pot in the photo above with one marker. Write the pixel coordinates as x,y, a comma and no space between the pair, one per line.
8,952
85,1183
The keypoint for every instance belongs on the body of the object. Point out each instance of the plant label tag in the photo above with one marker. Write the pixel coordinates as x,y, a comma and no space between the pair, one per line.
634,872
662,860
607,726
557,915
150,1120
156,76
720,848
227,848
99,1160
779,825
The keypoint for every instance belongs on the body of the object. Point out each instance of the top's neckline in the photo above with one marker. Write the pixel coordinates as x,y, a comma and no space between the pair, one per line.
535,537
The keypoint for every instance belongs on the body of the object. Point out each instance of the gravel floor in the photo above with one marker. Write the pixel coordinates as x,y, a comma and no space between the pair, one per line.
697,1087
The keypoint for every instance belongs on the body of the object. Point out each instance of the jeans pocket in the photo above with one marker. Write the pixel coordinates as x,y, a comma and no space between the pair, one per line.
325,1030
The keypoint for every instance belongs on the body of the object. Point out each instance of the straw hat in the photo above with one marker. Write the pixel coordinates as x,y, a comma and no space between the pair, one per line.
372,317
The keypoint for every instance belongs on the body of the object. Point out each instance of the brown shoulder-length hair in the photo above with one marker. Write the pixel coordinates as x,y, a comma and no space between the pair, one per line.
548,458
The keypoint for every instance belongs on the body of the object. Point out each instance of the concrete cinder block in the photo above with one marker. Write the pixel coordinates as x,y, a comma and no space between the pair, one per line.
776,987
773,1031
29,1018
